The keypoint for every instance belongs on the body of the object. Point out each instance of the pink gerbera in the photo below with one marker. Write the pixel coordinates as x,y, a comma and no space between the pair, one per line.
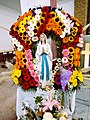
65,52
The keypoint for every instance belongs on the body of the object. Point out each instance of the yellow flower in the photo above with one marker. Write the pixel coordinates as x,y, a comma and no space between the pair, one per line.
16,80
75,73
80,76
71,50
13,75
75,29
53,14
74,83
71,57
71,39
22,29
77,24
17,72
71,78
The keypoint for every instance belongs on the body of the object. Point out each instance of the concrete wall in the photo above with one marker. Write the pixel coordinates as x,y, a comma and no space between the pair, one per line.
7,18
67,6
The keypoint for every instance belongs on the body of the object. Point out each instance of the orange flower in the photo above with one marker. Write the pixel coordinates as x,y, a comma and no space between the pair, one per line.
77,50
76,56
55,27
65,40
51,22
59,31
76,63
48,27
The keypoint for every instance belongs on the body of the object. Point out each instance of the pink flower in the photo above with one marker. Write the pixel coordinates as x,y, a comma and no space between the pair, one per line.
29,56
48,104
31,67
29,63
28,51
32,73
65,52
36,78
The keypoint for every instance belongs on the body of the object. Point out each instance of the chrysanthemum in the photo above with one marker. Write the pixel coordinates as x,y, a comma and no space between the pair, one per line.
31,33
20,48
37,17
38,11
35,38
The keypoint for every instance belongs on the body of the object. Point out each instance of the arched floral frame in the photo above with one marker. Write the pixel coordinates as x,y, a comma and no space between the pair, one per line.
64,29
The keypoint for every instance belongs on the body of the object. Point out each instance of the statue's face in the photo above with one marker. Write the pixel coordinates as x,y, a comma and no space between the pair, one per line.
43,37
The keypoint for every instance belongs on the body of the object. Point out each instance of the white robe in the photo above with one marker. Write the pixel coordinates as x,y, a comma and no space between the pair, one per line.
39,51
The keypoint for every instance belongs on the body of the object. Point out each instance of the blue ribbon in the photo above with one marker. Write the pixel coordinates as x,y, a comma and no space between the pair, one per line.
44,60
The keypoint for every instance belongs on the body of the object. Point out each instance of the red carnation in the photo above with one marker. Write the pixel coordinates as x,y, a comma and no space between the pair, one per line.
25,85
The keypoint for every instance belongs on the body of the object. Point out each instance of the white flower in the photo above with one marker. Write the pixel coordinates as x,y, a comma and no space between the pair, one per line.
17,43
14,41
34,39
80,45
47,116
54,119
34,22
31,27
37,17
38,11
81,40
59,60
20,48
59,13
56,68
31,33
63,34
64,60
67,29
62,17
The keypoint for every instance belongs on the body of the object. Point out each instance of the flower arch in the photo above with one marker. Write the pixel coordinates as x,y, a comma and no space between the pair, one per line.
63,29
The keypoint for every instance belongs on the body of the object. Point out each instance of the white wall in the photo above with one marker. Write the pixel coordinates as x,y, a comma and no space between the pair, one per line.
7,18
67,6
26,4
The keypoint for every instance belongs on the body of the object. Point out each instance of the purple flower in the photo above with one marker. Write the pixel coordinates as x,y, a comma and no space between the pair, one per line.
64,77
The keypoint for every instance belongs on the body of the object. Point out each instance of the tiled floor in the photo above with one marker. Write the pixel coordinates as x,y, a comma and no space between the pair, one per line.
82,109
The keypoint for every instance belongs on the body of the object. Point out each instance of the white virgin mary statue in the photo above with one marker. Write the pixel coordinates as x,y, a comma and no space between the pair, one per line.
44,59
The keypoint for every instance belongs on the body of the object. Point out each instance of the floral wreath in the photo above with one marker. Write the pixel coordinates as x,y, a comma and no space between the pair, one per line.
63,29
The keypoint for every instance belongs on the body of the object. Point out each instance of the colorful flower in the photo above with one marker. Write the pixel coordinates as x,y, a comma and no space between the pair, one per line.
15,79
64,60
65,52
25,85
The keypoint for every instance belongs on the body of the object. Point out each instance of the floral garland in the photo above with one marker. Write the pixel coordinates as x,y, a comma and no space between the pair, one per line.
53,22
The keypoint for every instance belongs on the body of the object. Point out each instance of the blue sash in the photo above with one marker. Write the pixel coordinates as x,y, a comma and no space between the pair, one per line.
44,64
